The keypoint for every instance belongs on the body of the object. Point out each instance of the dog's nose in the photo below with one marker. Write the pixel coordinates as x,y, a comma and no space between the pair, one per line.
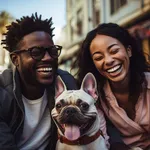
70,111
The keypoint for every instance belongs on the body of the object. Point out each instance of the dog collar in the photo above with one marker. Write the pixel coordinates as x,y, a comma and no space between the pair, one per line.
82,140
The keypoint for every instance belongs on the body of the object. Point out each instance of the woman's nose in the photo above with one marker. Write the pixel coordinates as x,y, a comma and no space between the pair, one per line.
109,60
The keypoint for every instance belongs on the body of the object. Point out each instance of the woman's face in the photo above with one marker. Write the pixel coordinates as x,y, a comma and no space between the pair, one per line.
110,57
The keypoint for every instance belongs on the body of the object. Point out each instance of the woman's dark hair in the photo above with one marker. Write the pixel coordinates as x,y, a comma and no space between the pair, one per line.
26,25
138,63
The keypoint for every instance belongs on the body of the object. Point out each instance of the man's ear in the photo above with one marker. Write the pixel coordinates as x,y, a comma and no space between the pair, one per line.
129,51
14,59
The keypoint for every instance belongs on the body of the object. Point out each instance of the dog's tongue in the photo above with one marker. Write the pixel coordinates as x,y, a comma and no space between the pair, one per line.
72,132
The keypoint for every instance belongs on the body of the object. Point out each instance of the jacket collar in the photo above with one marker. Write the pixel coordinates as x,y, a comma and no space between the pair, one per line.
17,86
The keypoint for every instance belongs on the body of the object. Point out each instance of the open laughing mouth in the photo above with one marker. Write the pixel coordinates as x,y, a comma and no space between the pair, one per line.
114,69
45,70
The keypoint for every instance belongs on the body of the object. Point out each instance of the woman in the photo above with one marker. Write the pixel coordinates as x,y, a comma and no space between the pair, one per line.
119,66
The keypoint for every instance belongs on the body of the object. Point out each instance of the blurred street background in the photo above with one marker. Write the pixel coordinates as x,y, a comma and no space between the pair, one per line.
73,19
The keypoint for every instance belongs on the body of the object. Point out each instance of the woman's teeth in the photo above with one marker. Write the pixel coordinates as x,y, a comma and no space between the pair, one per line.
113,69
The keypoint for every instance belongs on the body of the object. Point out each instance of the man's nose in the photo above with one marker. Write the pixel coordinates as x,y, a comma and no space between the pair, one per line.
47,57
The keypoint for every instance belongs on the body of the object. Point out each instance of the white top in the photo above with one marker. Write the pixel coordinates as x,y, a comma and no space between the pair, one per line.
36,130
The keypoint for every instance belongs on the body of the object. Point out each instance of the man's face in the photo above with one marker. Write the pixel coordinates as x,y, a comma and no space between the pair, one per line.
35,72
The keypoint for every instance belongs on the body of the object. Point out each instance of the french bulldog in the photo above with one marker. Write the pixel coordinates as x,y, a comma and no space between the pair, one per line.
76,116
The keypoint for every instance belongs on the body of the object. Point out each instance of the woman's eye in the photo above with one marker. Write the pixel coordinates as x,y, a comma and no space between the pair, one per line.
98,58
114,51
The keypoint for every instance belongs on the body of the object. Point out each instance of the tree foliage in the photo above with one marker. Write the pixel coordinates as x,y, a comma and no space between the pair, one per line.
5,18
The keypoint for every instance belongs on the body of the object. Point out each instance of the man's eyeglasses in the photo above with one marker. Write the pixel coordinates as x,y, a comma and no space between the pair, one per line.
37,53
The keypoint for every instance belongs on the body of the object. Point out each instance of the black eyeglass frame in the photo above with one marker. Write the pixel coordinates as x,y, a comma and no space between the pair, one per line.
58,48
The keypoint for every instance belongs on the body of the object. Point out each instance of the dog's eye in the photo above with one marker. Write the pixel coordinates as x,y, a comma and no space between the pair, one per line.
58,106
84,106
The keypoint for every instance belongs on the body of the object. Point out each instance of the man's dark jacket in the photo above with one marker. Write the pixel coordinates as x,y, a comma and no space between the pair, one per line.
12,108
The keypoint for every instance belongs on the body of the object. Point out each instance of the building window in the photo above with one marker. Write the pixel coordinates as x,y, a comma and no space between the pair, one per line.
72,33
76,25
96,12
79,23
116,4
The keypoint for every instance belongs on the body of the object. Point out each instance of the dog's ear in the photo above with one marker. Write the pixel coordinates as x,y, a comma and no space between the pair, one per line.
59,86
89,85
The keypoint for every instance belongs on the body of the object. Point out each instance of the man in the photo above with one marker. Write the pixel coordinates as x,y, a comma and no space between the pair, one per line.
27,92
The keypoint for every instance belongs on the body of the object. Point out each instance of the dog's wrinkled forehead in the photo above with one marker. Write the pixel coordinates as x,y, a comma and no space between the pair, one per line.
71,96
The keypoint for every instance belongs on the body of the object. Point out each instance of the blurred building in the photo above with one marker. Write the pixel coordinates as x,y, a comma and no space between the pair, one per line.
83,15
133,15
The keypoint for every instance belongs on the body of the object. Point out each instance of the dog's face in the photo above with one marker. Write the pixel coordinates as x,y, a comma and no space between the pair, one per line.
75,113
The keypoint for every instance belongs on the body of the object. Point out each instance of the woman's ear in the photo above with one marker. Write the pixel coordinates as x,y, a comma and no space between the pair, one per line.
129,51
14,59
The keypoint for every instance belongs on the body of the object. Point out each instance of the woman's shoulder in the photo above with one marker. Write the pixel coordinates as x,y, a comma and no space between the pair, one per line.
147,76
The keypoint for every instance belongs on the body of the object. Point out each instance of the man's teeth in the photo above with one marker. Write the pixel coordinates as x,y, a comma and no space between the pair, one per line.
44,69
113,69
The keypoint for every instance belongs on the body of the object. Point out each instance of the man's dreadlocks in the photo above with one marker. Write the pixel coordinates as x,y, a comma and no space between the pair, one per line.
26,25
